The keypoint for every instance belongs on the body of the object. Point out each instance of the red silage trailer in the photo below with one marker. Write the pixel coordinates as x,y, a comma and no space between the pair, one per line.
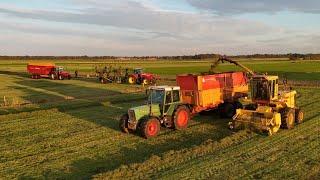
47,70
208,92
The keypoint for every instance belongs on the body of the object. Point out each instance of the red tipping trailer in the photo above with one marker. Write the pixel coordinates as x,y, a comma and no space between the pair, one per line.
207,92
47,70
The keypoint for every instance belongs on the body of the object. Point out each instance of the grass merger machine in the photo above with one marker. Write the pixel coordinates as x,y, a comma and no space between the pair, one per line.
268,109
173,106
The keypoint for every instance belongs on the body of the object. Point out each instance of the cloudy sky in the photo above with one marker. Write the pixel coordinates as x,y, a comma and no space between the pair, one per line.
158,27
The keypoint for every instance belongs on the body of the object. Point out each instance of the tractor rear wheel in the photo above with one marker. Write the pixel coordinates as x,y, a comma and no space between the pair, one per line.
287,118
123,123
299,116
181,118
132,80
149,128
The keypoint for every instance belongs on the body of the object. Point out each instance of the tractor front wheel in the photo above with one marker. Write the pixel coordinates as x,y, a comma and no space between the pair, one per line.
299,116
145,81
287,118
150,128
181,118
132,80
123,123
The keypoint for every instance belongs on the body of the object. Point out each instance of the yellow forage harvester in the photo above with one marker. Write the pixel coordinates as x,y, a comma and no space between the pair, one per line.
268,109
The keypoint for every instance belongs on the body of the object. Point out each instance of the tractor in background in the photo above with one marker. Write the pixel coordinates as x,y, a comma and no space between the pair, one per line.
269,109
109,74
140,77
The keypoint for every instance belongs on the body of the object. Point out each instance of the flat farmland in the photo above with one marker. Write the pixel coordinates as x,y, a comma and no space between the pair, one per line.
69,129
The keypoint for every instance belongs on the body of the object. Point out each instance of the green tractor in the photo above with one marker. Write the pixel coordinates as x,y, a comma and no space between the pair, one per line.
164,108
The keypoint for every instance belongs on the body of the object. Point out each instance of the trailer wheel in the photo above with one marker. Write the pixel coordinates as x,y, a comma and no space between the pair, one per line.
299,116
287,118
181,118
123,123
52,76
149,128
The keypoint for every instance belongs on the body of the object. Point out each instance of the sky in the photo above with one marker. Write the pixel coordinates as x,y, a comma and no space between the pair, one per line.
158,27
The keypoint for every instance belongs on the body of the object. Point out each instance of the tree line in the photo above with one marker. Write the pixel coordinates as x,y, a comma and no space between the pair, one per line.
293,56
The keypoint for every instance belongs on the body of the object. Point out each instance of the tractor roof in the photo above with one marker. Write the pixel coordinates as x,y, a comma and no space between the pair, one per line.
166,88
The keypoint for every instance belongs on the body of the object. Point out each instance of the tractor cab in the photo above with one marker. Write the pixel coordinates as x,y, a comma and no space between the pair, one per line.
137,71
264,89
59,69
165,97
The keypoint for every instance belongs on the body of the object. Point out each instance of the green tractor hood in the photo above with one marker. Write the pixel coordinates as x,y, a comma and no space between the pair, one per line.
144,111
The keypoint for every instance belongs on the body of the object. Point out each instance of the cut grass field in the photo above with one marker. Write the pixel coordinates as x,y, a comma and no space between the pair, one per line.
69,129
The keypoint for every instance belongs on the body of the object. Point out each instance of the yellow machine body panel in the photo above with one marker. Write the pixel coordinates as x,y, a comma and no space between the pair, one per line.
288,97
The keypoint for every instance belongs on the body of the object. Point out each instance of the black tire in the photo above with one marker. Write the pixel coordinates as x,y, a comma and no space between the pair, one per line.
299,116
227,110
288,118
149,128
123,123
181,118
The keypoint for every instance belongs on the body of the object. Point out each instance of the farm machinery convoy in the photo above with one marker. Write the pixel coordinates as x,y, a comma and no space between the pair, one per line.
173,106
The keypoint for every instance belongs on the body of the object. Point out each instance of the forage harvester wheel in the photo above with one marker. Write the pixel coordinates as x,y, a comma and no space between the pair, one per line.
288,118
149,128
299,116
123,123
181,118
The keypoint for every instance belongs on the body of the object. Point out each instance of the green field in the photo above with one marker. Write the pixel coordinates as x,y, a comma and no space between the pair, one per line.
69,130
